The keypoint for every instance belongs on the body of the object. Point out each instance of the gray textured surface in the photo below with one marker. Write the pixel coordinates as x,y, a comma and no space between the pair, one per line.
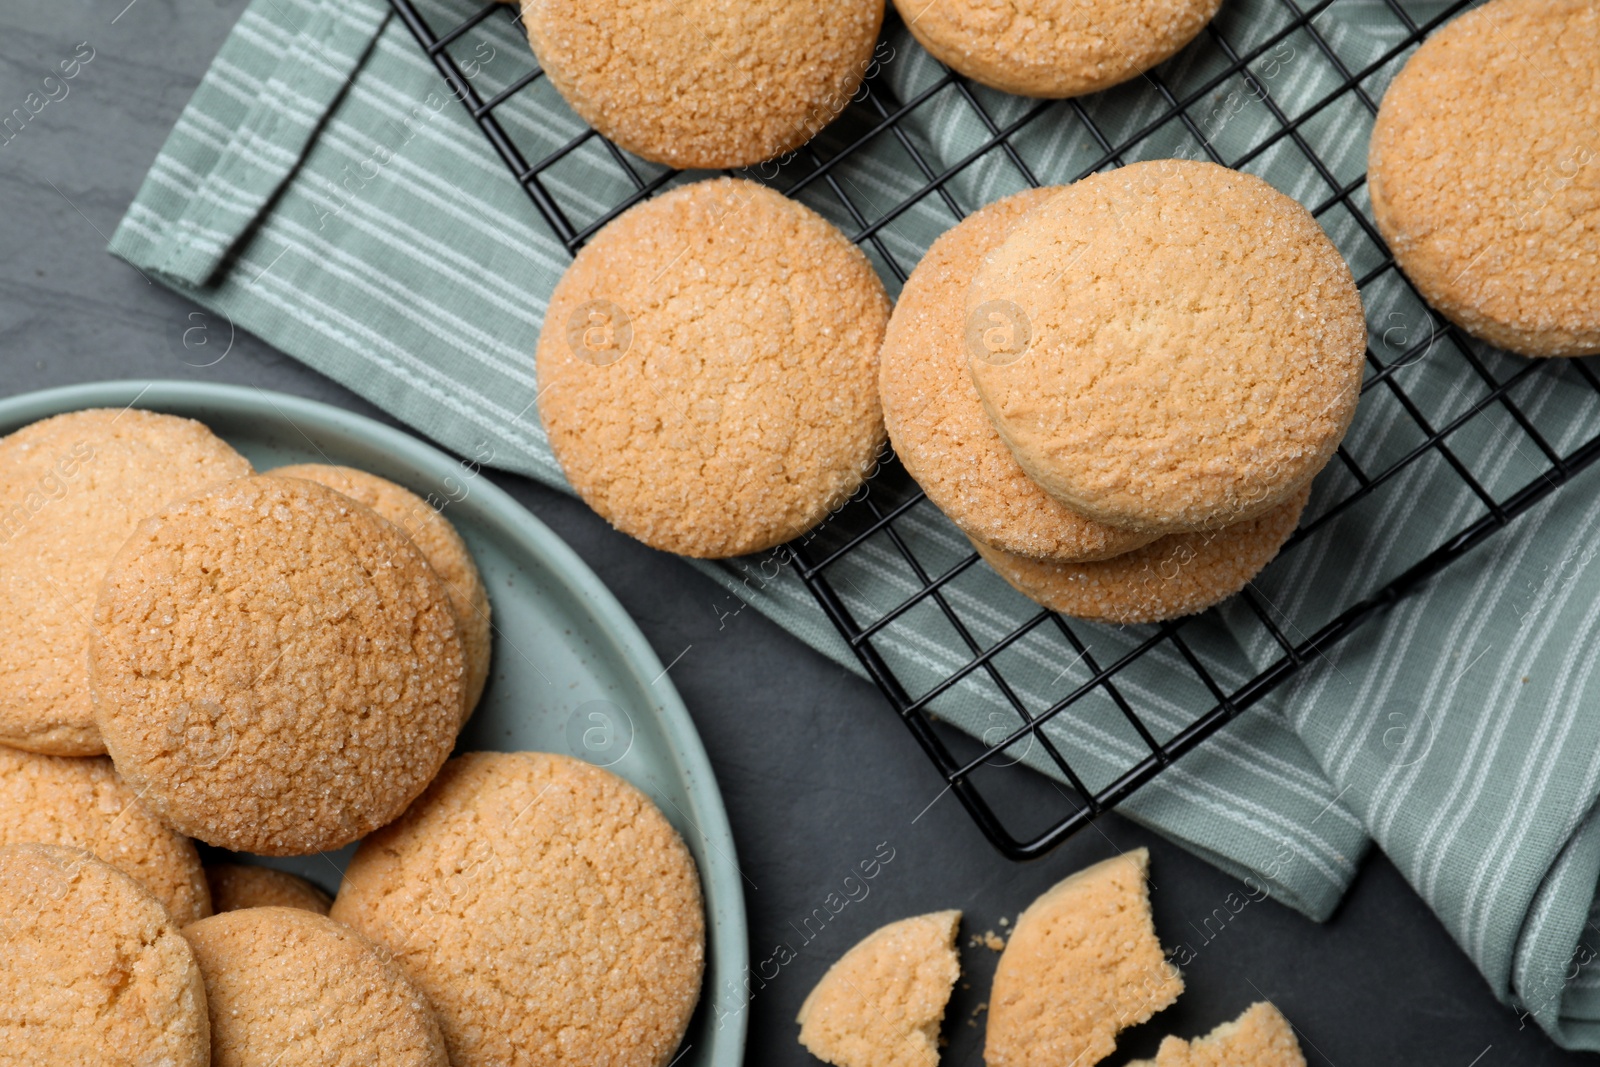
815,771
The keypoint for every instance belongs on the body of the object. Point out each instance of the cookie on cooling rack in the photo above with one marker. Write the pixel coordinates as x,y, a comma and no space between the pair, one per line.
81,803
1484,173
702,84
93,963
286,988
237,886
275,668
936,420
881,1003
1175,576
1180,346
1082,964
1054,48
447,889
72,488
1261,1037
706,398
440,543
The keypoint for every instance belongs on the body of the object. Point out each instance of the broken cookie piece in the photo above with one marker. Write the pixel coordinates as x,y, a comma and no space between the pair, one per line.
1261,1037
881,1004
1082,964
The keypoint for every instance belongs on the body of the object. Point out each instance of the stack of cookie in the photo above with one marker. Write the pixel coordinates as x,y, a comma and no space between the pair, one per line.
1121,389
280,664
1082,965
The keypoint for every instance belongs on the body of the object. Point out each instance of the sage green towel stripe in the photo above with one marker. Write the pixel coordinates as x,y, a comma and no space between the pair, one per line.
365,227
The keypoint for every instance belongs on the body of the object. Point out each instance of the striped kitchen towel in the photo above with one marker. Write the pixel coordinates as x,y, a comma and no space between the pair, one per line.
323,191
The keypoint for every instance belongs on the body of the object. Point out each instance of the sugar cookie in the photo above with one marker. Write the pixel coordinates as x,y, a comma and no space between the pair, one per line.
440,543
1261,1037
1484,172
1178,575
544,906
72,488
705,399
81,803
936,420
1083,964
286,988
881,1003
274,667
702,84
1169,346
1054,48
237,886
94,967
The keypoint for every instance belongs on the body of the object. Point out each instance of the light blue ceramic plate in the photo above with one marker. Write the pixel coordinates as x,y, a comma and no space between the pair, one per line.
571,672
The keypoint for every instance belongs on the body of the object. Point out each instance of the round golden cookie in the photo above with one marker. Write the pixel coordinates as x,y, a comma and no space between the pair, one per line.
1484,172
96,972
1169,346
703,84
72,488
237,886
705,397
275,668
544,906
1054,48
1178,575
440,543
286,988
936,420
81,803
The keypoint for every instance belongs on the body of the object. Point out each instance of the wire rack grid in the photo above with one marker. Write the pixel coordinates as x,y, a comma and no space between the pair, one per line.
1495,405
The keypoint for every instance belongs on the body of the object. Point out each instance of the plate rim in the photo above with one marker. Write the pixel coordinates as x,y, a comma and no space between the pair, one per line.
722,881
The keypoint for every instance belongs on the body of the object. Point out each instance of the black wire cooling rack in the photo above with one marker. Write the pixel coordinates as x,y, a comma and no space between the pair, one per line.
1215,73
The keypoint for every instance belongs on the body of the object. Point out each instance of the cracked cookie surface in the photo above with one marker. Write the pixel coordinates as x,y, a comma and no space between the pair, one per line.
72,488
708,370
702,84
1484,172
544,906
96,971
1054,48
275,668
287,988
440,542
75,802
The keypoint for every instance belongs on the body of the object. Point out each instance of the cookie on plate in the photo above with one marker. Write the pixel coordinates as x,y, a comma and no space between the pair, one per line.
701,84
72,488
704,399
1175,576
81,803
936,420
1261,1037
1082,964
1484,172
286,988
1054,48
440,543
237,886
93,963
1181,346
881,1003
275,668
516,867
